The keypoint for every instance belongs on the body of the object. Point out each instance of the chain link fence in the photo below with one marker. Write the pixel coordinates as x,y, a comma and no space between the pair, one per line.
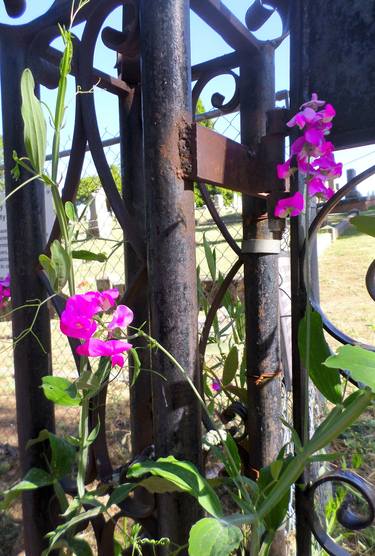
99,231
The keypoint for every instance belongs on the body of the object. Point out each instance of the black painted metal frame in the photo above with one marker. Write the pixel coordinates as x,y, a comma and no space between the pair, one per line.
156,214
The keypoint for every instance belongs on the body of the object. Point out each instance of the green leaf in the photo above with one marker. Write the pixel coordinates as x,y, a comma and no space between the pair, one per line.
230,366
231,445
326,457
296,439
211,537
364,224
158,485
117,548
269,476
210,255
79,546
34,478
61,263
35,127
48,266
120,493
136,365
70,211
89,256
328,383
359,361
62,529
185,476
60,391
275,469
241,393
93,435
63,454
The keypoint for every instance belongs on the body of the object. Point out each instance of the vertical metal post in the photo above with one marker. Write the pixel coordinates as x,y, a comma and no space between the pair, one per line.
134,197
298,93
166,97
26,240
261,281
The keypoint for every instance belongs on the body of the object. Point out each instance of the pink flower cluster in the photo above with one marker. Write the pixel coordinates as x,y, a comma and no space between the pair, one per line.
314,155
4,290
83,318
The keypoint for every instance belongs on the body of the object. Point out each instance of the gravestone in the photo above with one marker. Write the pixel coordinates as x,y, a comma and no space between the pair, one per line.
50,218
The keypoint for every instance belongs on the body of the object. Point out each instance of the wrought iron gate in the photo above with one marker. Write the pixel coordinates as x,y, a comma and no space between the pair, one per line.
163,153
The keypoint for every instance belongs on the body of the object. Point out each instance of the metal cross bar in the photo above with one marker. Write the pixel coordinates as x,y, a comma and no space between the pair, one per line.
220,18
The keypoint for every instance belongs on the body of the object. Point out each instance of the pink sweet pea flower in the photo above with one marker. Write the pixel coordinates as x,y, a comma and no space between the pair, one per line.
303,166
91,303
283,170
317,187
4,290
107,298
86,304
327,114
327,166
307,117
314,103
114,349
77,326
215,386
5,281
314,136
122,317
292,206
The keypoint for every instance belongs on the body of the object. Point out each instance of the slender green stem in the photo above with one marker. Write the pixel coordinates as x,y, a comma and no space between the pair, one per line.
83,448
266,543
60,102
19,187
255,540
61,496
64,228
237,479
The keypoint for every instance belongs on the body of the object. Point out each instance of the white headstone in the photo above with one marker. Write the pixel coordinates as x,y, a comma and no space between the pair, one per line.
50,213
104,217
4,264
50,218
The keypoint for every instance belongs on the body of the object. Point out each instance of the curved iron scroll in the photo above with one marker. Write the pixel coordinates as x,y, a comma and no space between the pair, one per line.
85,70
314,228
345,516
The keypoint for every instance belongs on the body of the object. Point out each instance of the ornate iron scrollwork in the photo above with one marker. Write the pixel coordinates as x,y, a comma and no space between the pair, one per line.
260,11
217,99
15,8
346,516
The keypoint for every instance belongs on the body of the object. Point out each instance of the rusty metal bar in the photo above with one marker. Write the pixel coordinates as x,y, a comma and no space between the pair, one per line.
26,240
221,161
228,61
101,79
264,379
166,101
131,149
222,20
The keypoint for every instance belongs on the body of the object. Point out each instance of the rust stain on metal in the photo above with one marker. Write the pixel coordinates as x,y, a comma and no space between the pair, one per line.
186,148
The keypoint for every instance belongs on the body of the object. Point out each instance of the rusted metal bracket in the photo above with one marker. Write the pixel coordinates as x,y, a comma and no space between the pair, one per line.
212,158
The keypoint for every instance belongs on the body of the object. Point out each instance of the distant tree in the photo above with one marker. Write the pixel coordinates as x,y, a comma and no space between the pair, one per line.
89,185
226,193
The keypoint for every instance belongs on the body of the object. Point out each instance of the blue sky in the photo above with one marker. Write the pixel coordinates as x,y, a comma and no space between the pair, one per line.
205,44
